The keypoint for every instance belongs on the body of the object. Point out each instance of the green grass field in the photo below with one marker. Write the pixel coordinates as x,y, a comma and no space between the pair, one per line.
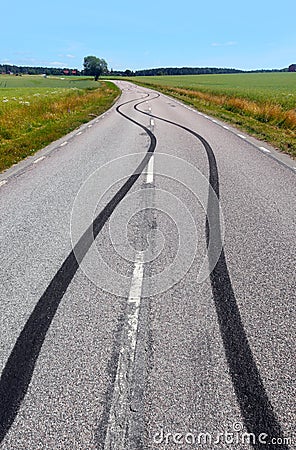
38,81
262,104
35,111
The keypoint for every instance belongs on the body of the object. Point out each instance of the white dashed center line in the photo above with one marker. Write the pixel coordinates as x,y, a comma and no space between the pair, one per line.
3,182
150,169
117,425
64,143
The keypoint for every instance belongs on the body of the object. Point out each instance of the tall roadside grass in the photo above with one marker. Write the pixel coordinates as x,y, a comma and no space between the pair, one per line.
32,118
267,111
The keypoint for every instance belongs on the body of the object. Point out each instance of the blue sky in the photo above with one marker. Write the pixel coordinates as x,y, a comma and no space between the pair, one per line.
137,35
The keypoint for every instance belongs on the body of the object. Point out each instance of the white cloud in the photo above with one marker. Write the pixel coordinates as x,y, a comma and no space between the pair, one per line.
70,56
34,61
56,64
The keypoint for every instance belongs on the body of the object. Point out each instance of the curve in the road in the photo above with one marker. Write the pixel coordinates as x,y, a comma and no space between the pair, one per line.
18,371
253,400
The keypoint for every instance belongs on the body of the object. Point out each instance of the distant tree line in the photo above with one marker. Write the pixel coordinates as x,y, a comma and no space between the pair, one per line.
97,67
22,70
180,71
186,71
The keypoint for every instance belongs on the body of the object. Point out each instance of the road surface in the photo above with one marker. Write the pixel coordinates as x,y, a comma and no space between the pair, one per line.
148,286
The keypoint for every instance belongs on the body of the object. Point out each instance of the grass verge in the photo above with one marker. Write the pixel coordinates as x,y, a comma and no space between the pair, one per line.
261,116
30,119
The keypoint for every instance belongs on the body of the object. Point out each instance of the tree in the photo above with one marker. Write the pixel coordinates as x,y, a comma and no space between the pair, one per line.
128,73
95,66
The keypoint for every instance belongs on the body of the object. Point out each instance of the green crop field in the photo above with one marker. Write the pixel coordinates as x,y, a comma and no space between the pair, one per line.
35,111
274,87
262,104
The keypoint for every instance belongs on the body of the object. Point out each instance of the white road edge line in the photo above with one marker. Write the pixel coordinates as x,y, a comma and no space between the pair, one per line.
150,170
117,425
39,159
64,143
3,182
79,133
265,150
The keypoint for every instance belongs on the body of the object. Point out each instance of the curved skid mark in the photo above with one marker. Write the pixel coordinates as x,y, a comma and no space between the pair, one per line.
253,400
18,371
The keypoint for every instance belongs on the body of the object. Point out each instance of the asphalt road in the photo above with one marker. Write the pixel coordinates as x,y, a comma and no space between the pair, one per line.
148,286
